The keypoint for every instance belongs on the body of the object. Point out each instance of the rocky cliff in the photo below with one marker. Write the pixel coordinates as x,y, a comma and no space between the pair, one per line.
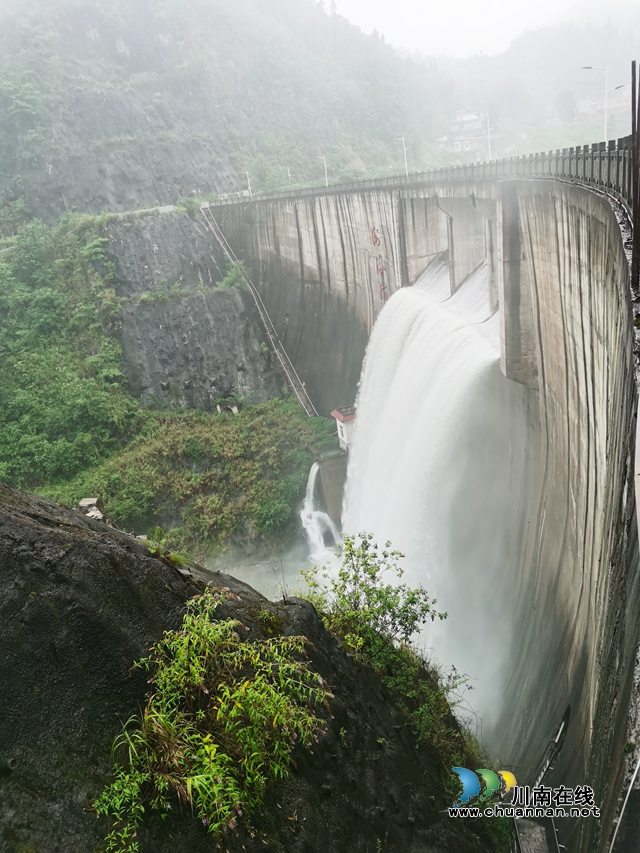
79,602
185,343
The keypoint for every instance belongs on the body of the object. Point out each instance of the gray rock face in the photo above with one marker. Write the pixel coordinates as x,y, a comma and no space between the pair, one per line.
191,351
154,253
191,348
79,602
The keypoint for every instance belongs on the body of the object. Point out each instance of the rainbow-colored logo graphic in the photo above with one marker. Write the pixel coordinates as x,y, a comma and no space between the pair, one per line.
499,783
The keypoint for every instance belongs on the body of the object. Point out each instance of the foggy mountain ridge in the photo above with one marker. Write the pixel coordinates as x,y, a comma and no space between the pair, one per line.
532,89
113,106
124,104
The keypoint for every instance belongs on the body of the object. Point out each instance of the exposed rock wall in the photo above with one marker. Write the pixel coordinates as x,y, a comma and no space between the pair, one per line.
184,343
196,349
155,252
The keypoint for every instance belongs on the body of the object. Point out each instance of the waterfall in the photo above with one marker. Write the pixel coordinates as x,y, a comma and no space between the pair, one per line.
318,525
441,465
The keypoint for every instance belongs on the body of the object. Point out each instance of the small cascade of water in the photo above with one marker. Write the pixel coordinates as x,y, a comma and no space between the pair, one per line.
322,533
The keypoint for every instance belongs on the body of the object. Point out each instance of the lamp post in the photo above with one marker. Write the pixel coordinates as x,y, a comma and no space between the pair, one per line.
604,68
404,151
326,177
249,184
489,129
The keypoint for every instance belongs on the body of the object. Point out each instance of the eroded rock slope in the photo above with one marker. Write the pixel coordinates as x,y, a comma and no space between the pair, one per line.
79,602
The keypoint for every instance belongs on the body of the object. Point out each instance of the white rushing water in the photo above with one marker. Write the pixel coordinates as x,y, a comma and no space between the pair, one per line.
322,533
441,465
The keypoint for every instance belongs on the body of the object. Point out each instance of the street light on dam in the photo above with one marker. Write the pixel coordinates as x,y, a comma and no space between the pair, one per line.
404,151
604,68
489,129
326,176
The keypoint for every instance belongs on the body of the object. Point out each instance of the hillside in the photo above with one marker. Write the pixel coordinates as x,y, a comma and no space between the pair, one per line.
122,105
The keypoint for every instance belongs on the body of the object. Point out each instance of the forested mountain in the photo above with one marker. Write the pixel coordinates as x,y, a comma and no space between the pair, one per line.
121,104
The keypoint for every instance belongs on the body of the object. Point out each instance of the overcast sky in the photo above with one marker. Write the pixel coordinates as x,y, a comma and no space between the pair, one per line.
463,27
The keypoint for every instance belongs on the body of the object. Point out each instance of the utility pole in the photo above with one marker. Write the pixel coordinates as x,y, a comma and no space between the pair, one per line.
635,182
489,129
249,184
404,151
326,176
289,175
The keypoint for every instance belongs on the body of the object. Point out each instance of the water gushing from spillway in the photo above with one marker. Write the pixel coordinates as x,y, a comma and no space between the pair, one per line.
440,465
322,534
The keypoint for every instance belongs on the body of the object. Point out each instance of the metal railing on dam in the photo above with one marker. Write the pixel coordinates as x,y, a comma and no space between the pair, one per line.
608,165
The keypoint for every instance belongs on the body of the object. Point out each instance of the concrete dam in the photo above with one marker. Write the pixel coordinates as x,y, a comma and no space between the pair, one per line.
523,518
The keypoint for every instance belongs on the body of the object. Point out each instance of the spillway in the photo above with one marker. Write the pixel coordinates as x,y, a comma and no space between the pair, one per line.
443,464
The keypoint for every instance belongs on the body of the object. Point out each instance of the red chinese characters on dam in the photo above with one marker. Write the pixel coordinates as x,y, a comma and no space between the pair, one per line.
380,264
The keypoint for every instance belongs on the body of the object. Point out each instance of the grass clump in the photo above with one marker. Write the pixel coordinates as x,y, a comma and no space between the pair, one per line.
222,720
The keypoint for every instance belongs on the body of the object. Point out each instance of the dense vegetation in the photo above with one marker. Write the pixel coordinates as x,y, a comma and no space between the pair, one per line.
63,404
69,427
224,714
223,718
207,476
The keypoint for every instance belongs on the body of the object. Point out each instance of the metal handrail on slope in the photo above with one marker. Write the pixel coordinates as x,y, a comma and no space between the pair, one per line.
289,370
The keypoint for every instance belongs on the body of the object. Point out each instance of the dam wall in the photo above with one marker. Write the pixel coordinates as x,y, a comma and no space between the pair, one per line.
325,264
567,331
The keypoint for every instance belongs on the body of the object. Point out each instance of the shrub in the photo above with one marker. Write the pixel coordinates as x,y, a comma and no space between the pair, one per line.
191,206
236,273
222,720
376,620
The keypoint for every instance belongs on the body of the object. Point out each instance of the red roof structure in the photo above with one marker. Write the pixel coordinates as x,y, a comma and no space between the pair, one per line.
346,413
